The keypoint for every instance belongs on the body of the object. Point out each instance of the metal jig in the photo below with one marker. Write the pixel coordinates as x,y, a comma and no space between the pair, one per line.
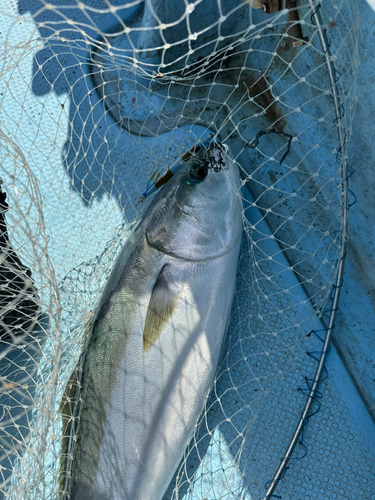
216,161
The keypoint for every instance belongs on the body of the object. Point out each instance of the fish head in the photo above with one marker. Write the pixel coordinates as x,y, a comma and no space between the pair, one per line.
198,214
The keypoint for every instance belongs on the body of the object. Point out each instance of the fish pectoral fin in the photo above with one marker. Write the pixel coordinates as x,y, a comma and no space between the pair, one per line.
164,298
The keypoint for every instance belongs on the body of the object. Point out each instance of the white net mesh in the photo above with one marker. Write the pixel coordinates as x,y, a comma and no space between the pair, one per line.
94,96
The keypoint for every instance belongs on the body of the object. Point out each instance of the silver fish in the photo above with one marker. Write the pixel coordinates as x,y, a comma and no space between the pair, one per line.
156,339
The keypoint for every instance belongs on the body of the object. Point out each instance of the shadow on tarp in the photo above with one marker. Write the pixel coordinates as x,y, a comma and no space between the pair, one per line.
95,153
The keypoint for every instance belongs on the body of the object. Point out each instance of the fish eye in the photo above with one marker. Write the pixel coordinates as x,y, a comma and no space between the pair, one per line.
198,173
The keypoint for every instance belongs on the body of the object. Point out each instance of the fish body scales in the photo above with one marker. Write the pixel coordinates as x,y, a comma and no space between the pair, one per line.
156,341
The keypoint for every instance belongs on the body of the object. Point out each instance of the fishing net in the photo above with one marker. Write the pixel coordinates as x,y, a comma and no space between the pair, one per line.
96,96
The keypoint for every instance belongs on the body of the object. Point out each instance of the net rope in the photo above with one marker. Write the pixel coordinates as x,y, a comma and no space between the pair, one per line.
96,96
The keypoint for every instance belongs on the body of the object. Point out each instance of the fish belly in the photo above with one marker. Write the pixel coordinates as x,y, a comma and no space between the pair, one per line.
147,417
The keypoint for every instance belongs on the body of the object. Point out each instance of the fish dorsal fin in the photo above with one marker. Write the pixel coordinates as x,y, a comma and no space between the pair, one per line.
164,298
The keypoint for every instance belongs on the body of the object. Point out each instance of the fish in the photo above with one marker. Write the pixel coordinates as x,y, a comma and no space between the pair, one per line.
156,339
